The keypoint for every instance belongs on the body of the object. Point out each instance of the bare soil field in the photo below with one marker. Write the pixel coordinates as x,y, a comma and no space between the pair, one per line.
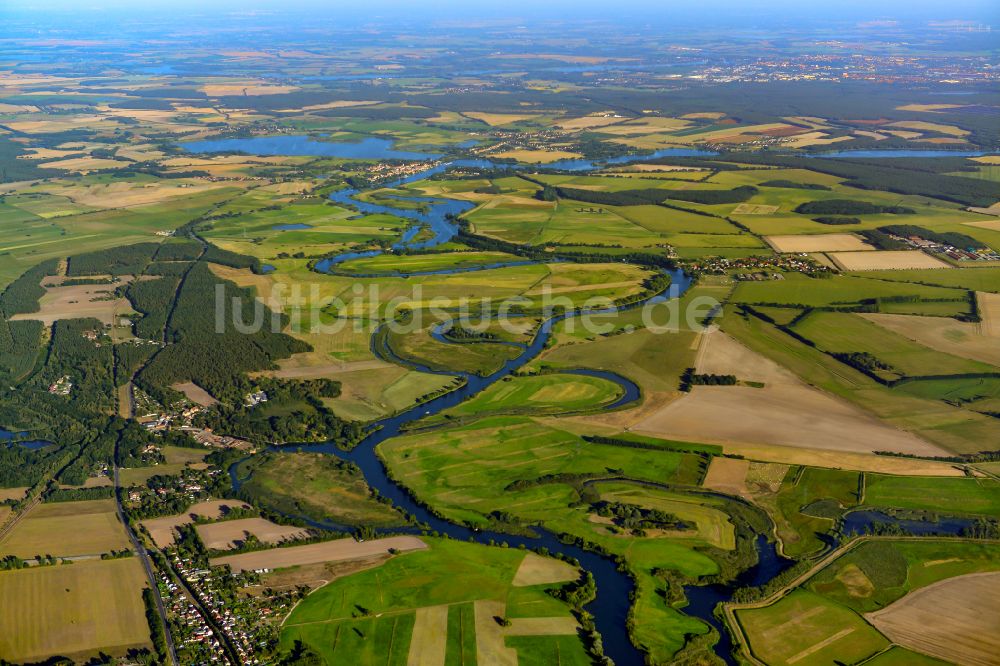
196,394
979,342
429,639
317,574
327,551
882,260
162,529
79,302
538,570
230,534
727,475
818,243
956,619
786,412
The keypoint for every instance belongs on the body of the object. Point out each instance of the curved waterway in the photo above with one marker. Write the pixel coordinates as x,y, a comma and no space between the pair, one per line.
611,607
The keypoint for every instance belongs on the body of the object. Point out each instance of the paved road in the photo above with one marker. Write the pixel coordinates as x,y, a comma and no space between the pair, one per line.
148,566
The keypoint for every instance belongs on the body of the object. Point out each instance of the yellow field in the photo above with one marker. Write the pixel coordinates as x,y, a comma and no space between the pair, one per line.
538,156
497,119
73,610
818,243
930,127
65,529
885,260
588,122
727,475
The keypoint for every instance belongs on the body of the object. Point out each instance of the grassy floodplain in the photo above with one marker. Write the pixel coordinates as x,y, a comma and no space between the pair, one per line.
442,599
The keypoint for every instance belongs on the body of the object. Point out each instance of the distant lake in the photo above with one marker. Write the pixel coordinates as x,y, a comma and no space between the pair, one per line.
291,227
900,153
370,148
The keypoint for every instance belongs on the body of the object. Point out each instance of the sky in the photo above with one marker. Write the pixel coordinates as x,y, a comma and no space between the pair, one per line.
981,9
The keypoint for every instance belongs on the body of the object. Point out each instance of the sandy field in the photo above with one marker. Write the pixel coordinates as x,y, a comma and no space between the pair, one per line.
429,639
929,127
538,570
979,342
956,619
79,302
230,533
327,551
727,475
885,260
162,529
786,412
196,394
818,243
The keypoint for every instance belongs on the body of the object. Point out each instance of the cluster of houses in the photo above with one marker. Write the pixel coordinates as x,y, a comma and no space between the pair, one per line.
61,386
197,632
950,251
757,268
240,631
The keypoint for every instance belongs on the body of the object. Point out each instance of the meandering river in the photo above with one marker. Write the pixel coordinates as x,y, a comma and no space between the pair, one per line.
611,608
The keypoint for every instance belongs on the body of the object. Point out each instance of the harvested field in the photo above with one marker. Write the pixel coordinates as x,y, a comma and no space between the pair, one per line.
99,608
327,551
727,475
538,570
989,312
955,619
885,260
786,412
162,530
765,477
497,119
231,534
538,156
429,639
290,369
861,462
818,243
66,529
490,647
979,342
542,626
754,209
587,122
196,394
12,493
79,302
